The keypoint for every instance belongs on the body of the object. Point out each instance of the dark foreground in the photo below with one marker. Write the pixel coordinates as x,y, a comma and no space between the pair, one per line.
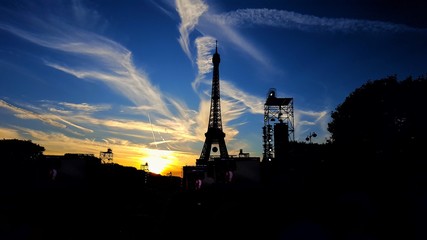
222,212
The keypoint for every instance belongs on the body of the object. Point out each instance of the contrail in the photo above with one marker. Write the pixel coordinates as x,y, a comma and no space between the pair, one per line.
152,130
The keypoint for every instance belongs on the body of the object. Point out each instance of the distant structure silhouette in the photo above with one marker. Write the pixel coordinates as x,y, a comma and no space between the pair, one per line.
106,157
214,136
145,168
278,127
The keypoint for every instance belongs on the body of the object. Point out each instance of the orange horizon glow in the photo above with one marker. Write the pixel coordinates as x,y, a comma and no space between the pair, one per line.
157,160
163,162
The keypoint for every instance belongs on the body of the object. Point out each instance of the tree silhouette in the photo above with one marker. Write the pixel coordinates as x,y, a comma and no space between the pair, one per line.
20,150
20,162
378,136
382,117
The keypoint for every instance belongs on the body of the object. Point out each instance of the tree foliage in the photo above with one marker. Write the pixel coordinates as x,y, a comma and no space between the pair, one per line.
20,163
19,153
382,116
20,150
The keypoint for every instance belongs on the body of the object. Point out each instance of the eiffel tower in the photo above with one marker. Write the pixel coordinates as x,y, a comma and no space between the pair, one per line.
214,136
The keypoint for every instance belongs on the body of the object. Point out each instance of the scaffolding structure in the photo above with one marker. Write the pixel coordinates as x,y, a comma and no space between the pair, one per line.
144,167
278,120
106,157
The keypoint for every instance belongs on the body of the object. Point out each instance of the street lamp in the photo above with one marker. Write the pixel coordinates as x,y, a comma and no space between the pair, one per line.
308,138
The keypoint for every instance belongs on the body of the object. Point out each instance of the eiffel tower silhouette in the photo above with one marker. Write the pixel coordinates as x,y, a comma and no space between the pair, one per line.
214,136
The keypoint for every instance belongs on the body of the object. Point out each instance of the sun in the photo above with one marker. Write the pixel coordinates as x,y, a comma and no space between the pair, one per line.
157,160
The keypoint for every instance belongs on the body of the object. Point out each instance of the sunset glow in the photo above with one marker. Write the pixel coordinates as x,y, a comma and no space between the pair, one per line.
85,76
157,160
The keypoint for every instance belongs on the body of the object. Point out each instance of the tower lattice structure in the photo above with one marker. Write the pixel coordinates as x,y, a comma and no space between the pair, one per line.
214,136
278,129
106,157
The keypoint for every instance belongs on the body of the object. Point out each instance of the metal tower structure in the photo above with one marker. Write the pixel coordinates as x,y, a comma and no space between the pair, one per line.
106,157
144,167
214,136
278,126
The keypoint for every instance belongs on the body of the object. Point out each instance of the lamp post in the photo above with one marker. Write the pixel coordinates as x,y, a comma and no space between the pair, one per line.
312,134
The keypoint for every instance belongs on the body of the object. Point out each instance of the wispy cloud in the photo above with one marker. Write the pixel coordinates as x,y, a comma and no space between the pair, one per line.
230,34
252,103
177,130
226,25
54,120
307,121
104,60
85,107
128,81
7,133
293,20
189,12
111,63
127,152
25,114
204,46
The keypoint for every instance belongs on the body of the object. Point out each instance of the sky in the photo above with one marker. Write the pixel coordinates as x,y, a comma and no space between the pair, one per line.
135,75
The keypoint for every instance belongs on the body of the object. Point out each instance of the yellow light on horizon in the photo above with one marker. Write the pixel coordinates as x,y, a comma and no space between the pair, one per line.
157,160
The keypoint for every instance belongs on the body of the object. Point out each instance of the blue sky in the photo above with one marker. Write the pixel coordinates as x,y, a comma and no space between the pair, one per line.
135,76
